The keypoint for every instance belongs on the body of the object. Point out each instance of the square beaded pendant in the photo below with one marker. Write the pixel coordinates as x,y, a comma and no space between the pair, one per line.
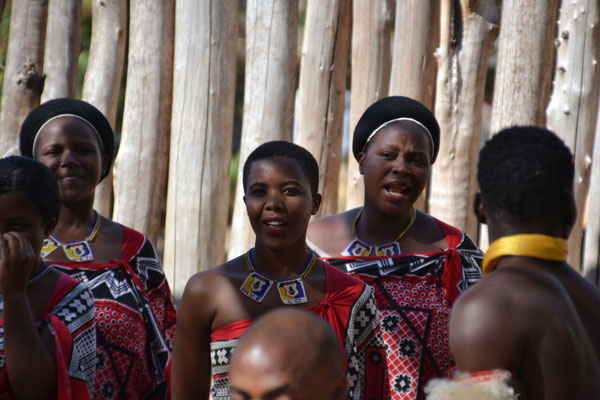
256,286
292,291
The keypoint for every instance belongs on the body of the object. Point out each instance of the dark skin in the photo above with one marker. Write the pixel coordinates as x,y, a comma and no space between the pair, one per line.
72,151
396,166
30,355
539,319
279,204
266,365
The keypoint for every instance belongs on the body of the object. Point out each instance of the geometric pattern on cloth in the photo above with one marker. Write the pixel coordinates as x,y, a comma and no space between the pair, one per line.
75,310
220,356
414,312
363,324
133,343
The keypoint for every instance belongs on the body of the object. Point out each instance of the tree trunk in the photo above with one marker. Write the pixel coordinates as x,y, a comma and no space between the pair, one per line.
322,91
141,165
202,127
524,69
2,4
572,112
63,44
371,60
103,75
591,256
270,83
417,33
468,33
23,79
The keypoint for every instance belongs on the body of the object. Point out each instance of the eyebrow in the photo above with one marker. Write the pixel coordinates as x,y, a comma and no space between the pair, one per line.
285,388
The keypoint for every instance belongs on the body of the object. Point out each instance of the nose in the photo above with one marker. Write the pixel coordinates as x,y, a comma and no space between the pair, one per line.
400,167
68,158
273,203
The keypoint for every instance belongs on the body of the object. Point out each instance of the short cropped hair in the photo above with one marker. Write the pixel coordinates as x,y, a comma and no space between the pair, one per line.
21,174
282,148
525,172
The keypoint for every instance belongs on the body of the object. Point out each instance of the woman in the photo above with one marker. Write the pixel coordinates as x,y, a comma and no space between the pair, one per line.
280,181
47,327
417,264
134,310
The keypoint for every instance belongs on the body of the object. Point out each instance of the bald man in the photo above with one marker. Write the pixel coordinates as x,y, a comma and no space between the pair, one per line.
288,354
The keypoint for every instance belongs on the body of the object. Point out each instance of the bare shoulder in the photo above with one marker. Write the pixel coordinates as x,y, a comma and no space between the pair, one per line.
203,287
332,233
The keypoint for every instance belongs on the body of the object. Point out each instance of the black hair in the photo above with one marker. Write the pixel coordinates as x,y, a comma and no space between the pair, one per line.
390,108
50,109
307,162
21,174
525,172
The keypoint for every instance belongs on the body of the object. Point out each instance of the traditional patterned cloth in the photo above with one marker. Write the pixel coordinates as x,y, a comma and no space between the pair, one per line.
70,317
414,294
349,307
135,320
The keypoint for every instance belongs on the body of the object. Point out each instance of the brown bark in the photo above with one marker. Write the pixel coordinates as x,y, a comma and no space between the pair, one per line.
202,130
463,58
572,112
371,60
524,69
103,75
322,92
414,67
63,44
23,79
141,165
271,42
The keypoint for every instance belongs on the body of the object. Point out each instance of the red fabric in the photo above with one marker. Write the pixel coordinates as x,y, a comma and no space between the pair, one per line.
135,320
341,291
67,387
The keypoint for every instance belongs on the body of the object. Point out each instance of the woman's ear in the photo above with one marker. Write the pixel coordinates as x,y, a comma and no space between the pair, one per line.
104,164
317,199
361,162
50,225
479,209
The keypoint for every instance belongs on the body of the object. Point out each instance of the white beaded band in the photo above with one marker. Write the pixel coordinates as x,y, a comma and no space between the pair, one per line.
79,117
380,127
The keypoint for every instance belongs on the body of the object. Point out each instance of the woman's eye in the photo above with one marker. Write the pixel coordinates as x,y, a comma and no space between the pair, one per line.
388,156
290,191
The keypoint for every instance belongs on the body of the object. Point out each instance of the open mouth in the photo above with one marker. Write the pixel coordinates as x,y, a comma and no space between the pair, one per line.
274,226
398,189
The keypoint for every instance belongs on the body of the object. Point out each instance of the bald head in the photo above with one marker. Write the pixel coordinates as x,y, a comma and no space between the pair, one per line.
288,352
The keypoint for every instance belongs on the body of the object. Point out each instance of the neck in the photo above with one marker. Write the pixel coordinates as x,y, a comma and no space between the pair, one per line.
75,217
287,263
376,227
501,228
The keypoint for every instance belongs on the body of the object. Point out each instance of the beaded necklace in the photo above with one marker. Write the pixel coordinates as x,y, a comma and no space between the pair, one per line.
291,291
76,251
361,248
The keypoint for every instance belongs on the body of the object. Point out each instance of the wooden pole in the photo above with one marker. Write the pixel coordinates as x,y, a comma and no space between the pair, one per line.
524,69
103,75
371,60
572,112
23,79
416,33
322,91
270,84
63,44
141,165
463,60
202,130
591,256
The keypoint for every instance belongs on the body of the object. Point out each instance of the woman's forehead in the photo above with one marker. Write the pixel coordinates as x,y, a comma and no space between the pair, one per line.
277,165
67,127
405,131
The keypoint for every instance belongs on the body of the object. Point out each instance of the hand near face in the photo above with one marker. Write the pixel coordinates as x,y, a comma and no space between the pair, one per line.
17,259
